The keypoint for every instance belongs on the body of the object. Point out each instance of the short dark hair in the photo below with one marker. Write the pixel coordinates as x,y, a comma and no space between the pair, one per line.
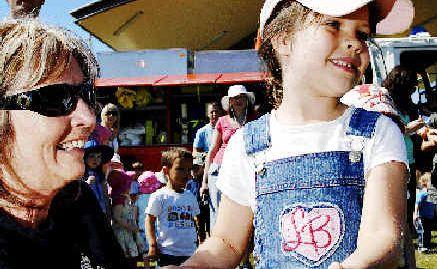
170,155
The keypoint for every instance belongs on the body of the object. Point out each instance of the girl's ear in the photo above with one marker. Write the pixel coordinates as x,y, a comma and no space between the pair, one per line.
281,43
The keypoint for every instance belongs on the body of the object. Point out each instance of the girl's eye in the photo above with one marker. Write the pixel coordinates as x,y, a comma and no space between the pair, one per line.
333,24
363,36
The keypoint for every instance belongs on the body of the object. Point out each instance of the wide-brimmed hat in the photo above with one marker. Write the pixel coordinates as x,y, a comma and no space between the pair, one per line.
393,16
98,143
148,183
234,91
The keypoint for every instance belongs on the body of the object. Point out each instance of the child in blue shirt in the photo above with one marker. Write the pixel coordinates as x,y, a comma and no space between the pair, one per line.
424,214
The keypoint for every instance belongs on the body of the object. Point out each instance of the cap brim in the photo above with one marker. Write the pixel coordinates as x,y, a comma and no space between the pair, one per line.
394,16
398,20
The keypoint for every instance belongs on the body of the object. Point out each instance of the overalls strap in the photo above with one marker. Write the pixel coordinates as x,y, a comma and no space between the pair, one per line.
362,123
257,135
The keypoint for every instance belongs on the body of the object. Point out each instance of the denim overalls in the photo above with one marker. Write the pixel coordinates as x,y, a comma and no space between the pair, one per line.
308,207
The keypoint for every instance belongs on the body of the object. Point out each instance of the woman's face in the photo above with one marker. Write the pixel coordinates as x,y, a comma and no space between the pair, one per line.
111,118
48,151
328,58
239,102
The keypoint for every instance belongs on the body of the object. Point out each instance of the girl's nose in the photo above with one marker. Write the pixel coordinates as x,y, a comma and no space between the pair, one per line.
353,45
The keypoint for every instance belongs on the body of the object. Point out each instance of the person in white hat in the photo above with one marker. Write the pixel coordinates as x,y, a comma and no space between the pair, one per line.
321,185
238,104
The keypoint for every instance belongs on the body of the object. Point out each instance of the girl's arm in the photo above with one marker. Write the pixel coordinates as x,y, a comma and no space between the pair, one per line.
225,247
414,125
216,144
383,219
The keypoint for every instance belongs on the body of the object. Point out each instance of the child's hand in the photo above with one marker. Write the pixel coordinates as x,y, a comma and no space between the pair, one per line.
335,265
91,180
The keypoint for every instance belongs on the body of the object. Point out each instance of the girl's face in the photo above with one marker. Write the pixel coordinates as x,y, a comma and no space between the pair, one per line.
329,57
94,159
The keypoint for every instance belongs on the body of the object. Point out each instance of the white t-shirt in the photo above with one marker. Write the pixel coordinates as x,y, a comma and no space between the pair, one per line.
237,173
175,214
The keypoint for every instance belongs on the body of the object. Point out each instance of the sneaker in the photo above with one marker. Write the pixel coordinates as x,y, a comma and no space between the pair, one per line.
423,250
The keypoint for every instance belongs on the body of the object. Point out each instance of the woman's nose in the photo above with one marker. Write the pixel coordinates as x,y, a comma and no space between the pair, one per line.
83,115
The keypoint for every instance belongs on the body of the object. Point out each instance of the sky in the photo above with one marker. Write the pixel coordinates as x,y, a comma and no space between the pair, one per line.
57,12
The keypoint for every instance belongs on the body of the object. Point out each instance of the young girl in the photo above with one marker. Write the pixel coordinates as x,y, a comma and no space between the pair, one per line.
321,184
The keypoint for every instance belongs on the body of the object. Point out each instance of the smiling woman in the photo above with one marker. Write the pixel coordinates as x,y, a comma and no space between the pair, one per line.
46,115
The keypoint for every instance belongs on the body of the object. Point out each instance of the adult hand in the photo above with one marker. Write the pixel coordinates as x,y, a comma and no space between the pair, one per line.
24,8
415,125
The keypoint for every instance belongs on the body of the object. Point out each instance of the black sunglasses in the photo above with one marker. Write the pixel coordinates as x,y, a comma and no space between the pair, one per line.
52,100
111,113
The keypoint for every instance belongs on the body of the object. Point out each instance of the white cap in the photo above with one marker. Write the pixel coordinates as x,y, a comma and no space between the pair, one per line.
394,16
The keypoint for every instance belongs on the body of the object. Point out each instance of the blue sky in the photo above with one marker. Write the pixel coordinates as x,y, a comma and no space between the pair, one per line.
58,12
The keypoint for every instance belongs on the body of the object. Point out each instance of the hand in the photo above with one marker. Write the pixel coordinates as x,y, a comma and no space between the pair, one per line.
335,265
91,180
153,252
416,124
23,8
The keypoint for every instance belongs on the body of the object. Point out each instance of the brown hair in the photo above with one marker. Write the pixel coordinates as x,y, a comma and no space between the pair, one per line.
288,16
400,83
169,156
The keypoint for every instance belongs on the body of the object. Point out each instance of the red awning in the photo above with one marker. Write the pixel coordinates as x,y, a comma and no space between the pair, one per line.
183,80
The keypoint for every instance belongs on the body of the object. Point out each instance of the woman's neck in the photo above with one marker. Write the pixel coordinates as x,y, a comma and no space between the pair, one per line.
26,215
28,209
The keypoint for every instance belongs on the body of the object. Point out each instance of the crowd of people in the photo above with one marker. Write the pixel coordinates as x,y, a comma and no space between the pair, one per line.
327,179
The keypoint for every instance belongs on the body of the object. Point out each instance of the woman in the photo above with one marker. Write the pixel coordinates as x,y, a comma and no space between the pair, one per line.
239,105
48,219
111,119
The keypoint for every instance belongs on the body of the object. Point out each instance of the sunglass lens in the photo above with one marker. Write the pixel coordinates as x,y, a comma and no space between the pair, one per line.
89,95
57,100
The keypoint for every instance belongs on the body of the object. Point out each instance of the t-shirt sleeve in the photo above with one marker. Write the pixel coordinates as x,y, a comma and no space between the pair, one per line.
154,206
198,140
387,145
236,178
